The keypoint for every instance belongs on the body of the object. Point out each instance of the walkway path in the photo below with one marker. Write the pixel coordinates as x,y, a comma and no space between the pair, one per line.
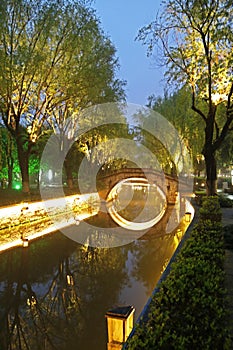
227,219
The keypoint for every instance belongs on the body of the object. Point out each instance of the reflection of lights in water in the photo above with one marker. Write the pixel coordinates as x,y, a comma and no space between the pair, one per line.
164,265
151,204
188,217
177,237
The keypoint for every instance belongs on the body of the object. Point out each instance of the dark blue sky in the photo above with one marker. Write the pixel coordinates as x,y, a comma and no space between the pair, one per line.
121,20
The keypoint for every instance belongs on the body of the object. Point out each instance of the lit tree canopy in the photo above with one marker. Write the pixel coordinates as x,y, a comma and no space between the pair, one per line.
195,41
53,55
176,108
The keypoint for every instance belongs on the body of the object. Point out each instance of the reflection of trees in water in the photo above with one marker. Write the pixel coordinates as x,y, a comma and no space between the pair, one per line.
147,198
32,322
54,312
101,275
147,267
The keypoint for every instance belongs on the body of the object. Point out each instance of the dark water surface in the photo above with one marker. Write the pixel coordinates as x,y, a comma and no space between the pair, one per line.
55,293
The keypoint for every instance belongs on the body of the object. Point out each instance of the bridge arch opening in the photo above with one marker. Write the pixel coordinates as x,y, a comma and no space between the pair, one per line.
136,204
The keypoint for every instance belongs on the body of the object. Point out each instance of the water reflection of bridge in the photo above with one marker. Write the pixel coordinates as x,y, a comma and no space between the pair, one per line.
170,221
136,204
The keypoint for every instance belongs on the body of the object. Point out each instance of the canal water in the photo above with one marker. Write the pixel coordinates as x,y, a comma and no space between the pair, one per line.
55,293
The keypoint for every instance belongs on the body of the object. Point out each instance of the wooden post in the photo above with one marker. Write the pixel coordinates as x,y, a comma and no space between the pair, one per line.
119,326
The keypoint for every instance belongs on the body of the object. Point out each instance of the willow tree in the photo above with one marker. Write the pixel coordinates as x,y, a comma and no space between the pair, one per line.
176,108
93,82
194,41
45,66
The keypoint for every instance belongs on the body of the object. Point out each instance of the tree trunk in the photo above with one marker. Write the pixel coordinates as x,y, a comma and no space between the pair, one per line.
10,163
209,153
211,173
23,157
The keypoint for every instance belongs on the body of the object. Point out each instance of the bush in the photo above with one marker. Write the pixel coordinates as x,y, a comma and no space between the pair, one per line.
210,209
225,202
189,309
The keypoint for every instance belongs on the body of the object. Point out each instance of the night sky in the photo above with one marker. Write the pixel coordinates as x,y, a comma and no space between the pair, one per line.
121,20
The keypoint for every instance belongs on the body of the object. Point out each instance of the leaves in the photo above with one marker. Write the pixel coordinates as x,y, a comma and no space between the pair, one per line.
189,310
195,40
54,61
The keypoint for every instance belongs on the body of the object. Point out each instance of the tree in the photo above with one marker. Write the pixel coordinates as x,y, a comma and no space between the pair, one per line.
93,149
176,108
196,39
8,157
46,63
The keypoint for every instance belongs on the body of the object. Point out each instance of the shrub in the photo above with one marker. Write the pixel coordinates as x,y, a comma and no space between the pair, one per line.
189,309
210,209
225,202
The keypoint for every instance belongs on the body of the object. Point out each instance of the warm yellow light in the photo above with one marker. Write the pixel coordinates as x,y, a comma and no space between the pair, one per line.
16,211
188,217
218,98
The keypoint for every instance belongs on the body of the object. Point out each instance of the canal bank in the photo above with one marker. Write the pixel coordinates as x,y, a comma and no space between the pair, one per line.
216,329
26,221
143,317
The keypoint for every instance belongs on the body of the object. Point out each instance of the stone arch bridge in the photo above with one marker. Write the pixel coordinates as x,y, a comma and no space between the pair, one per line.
167,183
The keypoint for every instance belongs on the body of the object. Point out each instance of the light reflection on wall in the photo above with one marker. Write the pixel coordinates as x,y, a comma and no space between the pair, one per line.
31,220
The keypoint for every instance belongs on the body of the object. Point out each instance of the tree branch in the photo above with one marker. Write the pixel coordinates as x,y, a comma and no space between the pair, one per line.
229,106
194,108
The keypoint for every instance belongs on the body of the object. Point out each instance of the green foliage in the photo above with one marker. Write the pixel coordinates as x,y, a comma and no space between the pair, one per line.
195,39
171,152
54,61
210,209
225,202
176,108
8,157
189,309
224,154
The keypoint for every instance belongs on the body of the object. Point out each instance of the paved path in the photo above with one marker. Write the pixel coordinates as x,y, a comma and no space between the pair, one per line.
227,219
